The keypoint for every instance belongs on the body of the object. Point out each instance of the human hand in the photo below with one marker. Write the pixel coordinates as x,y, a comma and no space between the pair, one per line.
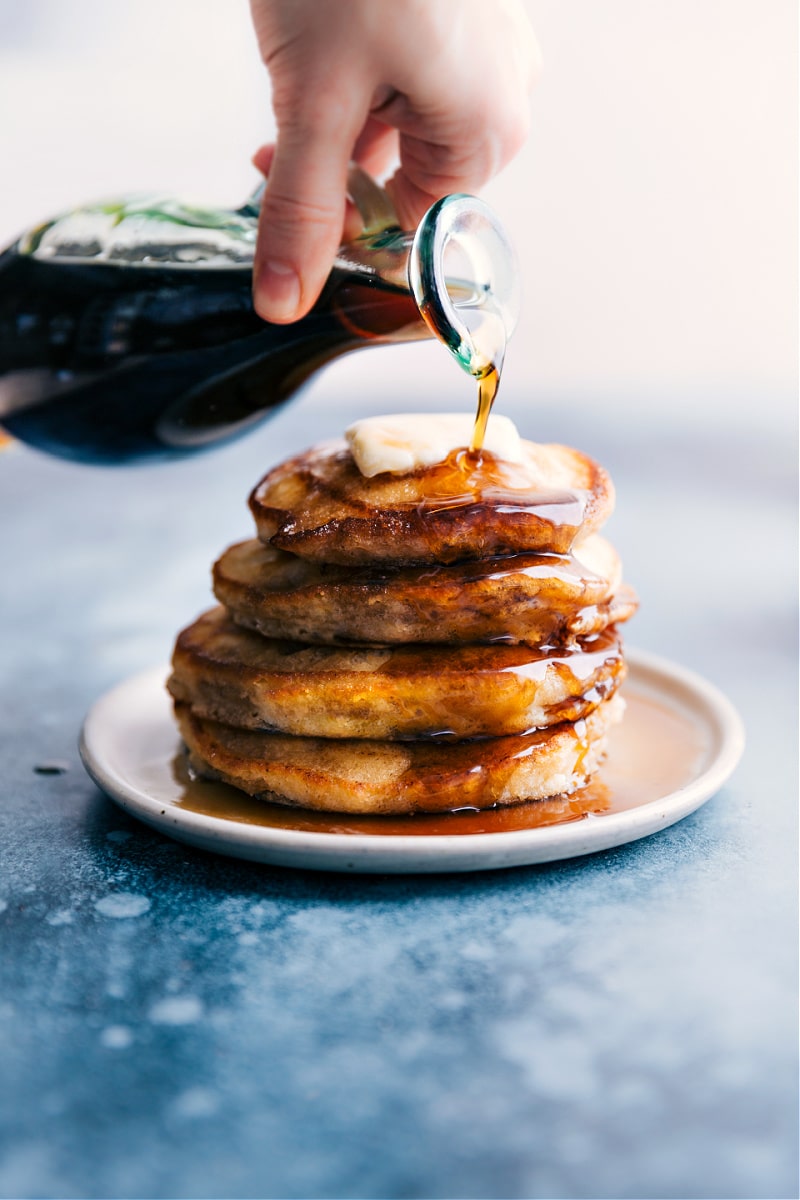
440,84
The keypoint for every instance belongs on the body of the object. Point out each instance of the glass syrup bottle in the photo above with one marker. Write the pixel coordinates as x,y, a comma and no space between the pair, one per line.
127,329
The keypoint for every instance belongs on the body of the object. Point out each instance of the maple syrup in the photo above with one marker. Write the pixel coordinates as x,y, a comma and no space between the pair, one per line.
488,384
107,365
478,478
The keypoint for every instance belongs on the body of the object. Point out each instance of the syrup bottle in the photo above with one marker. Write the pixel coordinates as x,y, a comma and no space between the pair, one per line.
127,330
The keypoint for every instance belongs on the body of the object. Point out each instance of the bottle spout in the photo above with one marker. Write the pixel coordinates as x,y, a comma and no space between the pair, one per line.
464,276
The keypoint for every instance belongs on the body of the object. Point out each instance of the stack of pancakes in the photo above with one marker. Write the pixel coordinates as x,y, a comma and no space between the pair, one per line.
428,641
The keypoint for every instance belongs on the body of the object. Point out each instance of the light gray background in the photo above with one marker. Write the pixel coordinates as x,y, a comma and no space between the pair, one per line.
172,1024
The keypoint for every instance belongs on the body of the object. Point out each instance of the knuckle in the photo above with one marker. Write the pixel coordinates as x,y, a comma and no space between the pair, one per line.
458,166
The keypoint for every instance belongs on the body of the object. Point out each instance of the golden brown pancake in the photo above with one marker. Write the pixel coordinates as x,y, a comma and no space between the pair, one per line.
355,775
532,599
240,678
318,505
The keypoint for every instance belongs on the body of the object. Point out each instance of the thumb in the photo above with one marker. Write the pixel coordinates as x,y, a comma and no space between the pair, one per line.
303,208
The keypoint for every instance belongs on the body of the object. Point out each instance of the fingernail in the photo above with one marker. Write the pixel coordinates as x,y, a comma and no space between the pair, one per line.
278,286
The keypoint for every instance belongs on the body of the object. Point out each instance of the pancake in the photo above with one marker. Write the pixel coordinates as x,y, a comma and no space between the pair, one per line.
240,678
360,776
531,599
318,505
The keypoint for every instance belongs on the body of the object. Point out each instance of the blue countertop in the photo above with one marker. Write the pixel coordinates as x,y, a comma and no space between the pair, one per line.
175,1024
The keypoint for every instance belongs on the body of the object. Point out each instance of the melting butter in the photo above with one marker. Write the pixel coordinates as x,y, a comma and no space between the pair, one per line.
401,443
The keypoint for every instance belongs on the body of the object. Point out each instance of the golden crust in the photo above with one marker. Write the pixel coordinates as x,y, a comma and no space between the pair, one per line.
240,678
319,506
531,599
416,643
359,776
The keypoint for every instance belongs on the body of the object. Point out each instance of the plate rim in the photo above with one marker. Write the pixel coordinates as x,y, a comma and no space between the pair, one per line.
410,853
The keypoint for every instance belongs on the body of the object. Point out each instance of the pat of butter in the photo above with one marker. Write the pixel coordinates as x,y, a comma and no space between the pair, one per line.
398,444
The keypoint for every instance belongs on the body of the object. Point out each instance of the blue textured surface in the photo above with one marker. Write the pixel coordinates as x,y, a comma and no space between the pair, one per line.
175,1024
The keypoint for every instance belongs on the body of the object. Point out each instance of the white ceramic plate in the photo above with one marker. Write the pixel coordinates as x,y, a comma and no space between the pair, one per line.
679,742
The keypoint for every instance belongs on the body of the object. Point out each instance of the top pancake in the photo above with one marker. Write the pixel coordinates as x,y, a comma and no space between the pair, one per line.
319,506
